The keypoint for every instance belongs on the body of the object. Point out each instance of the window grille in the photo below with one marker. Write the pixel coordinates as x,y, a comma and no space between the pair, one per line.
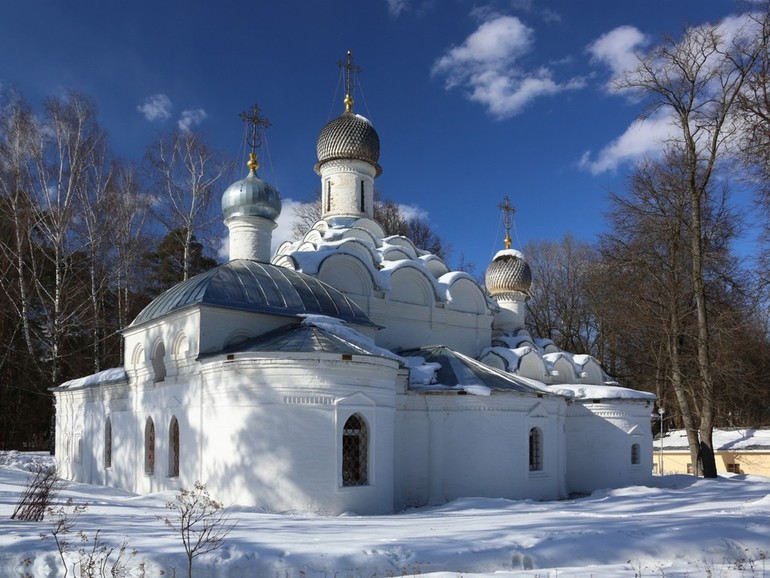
108,444
635,455
535,449
149,447
355,446
173,448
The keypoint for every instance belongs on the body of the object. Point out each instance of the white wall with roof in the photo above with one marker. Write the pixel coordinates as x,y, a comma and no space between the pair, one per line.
452,445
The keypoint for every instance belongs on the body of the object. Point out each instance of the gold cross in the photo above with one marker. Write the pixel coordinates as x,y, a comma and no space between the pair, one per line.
350,71
508,211
257,122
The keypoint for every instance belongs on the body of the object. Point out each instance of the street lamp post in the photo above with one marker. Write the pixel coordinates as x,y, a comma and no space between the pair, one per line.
661,411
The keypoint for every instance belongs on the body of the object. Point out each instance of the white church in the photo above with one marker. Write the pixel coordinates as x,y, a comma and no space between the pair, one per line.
350,372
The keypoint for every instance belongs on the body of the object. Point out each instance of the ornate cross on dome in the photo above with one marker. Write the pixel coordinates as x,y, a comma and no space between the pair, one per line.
257,122
508,211
350,71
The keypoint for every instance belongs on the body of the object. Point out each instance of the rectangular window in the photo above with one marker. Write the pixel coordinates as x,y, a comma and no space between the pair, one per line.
363,202
535,449
108,444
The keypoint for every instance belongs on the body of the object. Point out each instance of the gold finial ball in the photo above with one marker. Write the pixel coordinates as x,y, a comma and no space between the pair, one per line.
253,164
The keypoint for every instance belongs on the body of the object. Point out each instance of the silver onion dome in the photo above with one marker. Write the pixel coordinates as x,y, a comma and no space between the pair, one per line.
507,275
349,136
251,197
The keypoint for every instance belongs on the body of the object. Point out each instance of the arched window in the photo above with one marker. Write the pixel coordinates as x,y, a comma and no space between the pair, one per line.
108,443
173,448
159,362
355,452
535,449
149,447
635,455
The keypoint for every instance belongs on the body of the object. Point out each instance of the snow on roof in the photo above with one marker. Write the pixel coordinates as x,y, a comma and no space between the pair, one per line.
726,439
338,328
603,392
509,253
107,376
450,370
581,359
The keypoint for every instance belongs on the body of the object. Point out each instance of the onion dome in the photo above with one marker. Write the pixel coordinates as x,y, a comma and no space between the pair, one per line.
508,275
251,197
349,136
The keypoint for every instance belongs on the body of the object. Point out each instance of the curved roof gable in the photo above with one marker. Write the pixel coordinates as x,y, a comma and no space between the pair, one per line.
258,287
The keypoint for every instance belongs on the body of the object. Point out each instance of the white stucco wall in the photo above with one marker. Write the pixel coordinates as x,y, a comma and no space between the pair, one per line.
450,446
599,437
257,431
406,325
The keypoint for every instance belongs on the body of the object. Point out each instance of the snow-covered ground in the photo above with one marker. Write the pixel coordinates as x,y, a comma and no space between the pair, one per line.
680,526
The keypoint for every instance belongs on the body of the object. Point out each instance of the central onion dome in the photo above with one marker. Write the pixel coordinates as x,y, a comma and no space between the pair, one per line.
349,136
508,275
251,197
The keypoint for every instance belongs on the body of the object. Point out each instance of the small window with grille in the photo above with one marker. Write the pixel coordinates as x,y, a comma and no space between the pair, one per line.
355,450
636,458
535,449
149,447
173,448
108,443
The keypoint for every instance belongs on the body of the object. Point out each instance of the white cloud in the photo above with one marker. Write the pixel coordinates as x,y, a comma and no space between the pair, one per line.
396,7
486,65
223,248
494,44
643,138
191,118
156,107
285,223
619,49
413,212
550,16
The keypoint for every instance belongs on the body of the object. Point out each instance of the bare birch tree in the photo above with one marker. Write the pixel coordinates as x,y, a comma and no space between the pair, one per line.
185,176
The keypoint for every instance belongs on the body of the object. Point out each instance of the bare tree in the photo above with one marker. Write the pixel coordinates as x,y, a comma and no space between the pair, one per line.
696,81
70,147
185,174
40,491
649,243
19,146
754,108
559,308
127,206
306,215
25,402
200,521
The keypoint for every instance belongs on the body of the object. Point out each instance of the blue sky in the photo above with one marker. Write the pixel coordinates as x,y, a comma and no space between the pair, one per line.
472,101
